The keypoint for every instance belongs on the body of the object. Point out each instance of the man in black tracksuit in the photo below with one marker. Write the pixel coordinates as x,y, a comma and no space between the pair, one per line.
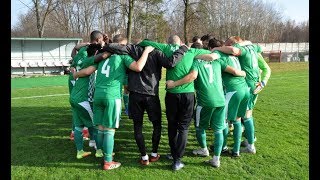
144,93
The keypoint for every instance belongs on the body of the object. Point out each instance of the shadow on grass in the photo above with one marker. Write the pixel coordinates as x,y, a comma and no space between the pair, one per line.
40,138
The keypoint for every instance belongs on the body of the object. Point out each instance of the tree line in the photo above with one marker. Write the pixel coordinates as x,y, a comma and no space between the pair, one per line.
254,20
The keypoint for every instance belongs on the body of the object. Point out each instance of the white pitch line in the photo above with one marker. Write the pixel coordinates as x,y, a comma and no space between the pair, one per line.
51,95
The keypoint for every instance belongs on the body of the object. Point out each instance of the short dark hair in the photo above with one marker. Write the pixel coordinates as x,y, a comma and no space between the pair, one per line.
195,38
118,38
93,48
94,35
215,43
206,37
197,45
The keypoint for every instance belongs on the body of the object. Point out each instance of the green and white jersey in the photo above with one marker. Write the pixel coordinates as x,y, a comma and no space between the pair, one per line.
91,88
167,49
208,85
110,76
80,90
249,61
231,82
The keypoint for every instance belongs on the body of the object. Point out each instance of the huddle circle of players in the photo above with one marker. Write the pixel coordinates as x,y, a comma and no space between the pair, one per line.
215,83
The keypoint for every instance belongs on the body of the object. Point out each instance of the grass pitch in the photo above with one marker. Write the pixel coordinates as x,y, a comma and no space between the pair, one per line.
41,125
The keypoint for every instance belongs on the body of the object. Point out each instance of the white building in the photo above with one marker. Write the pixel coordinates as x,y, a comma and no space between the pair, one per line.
41,55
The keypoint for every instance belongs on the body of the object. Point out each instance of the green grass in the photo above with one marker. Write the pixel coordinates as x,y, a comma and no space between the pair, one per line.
40,127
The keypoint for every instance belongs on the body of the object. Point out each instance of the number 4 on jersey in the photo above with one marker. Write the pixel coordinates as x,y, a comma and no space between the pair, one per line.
105,68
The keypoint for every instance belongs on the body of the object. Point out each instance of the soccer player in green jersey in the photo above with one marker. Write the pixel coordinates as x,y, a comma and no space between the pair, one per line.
179,100
107,98
210,108
237,96
80,52
248,58
79,100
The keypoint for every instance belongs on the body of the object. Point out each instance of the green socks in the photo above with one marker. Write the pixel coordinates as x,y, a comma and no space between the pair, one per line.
201,137
99,142
225,135
108,142
249,129
218,141
78,139
237,133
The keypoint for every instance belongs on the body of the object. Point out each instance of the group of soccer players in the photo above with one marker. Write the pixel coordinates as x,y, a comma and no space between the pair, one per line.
215,83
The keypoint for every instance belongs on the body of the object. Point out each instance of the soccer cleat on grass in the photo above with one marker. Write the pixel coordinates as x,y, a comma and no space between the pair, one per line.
245,143
72,136
154,159
110,165
144,162
201,152
99,153
214,163
235,154
177,165
249,150
81,154
225,150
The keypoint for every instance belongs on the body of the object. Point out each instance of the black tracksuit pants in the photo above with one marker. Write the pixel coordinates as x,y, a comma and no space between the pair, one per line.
179,111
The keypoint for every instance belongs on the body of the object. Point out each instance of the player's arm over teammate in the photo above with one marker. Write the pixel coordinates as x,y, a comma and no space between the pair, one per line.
236,48
135,52
265,74
194,74
135,65
208,57
228,50
167,49
77,48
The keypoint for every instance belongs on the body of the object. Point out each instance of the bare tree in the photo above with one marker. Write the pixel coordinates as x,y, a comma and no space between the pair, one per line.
42,10
258,21
130,15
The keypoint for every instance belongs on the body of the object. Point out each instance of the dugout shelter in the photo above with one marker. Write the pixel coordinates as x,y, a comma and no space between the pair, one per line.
41,55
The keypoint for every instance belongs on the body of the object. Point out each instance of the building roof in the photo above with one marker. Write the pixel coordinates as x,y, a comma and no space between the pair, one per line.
47,39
